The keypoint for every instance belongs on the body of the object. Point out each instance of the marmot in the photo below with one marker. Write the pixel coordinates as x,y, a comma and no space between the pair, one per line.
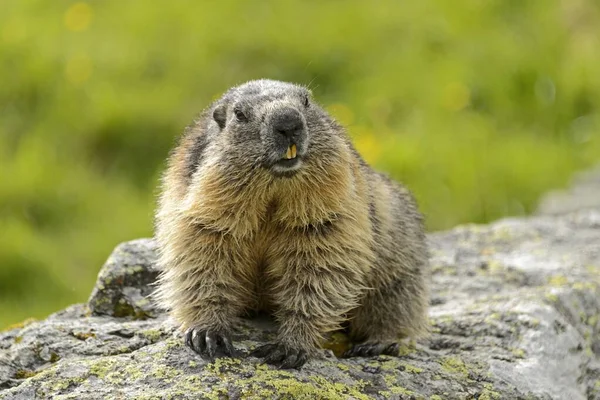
266,205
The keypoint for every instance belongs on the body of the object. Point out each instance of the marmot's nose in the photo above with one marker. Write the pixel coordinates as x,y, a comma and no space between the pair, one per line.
288,122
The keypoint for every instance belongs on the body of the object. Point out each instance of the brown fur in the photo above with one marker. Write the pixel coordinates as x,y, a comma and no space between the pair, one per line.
336,242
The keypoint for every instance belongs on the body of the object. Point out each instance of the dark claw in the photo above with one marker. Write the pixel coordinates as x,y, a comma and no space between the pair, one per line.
261,351
372,349
392,350
281,356
209,344
351,352
301,360
289,362
276,357
229,350
188,338
198,342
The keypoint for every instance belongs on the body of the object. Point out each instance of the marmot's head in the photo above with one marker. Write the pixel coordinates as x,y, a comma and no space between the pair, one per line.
273,125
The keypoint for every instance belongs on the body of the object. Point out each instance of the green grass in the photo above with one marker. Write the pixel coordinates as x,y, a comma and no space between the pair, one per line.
479,107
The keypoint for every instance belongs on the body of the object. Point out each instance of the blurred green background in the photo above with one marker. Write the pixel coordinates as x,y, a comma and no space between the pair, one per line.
479,106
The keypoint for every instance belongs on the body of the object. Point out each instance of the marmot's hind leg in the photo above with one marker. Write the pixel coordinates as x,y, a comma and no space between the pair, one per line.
388,314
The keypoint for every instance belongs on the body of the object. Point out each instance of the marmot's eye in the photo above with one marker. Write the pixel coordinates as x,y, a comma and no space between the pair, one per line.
239,114
306,101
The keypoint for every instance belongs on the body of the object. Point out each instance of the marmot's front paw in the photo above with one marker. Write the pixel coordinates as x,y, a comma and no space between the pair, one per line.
372,349
209,343
281,355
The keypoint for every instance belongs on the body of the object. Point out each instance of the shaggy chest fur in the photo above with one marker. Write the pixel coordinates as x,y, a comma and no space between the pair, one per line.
281,228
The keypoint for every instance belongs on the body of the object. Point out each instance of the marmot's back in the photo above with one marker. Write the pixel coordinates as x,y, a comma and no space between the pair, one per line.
266,204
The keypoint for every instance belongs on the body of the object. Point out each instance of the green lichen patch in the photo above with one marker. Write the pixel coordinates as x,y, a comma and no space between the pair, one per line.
223,365
396,390
165,373
489,393
118,372
407,348
83,335
135,269
385,363
50,383
551,297
102,367
260,381
152,335
493,316
411,369
172,343
597,386
342,367
124,309
586,286
518,353
593,269
454,365
63,384
558,280
24,374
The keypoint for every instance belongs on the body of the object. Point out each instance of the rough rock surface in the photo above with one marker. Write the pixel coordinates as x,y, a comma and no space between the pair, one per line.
515,315
584,193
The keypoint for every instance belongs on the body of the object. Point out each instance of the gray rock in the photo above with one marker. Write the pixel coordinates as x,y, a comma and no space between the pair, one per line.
584,193
515,315
124,284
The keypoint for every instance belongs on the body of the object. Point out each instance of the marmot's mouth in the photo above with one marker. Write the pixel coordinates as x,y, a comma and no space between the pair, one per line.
288,163
290,153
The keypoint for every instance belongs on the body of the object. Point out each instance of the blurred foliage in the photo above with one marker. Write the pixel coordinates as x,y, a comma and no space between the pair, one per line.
479,106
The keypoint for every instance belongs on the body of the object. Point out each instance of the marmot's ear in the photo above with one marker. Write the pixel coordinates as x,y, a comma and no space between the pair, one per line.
220,115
